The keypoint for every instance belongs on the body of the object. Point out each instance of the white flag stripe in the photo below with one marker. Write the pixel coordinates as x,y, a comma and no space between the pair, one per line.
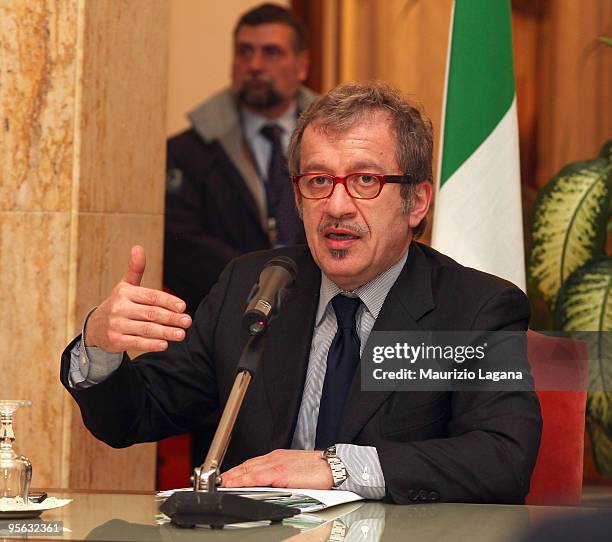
478,219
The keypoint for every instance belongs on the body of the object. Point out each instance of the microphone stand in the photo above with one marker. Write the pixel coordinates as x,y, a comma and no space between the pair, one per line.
205,505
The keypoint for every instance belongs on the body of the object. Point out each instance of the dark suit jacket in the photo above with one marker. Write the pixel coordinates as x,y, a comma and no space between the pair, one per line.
461,446
211,217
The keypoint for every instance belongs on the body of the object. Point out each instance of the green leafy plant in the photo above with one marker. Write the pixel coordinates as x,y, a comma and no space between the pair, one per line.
571,270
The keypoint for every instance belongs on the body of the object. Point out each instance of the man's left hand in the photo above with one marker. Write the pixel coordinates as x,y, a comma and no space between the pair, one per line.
282,468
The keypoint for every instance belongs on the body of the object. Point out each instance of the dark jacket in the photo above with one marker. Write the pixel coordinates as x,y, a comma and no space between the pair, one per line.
449,446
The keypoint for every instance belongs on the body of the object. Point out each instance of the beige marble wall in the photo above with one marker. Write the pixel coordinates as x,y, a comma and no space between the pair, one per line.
38,41
82,124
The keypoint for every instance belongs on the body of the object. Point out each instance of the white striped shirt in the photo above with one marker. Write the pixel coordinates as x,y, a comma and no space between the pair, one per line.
361,462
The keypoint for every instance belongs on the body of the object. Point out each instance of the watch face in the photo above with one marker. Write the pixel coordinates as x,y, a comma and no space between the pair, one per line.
331,451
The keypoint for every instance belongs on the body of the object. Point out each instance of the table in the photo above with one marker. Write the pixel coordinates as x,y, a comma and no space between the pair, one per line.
131,517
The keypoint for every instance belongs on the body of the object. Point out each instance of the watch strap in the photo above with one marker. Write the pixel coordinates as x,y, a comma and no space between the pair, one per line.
338,470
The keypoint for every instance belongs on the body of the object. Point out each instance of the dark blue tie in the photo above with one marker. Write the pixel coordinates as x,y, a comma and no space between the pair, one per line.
342,360
279,191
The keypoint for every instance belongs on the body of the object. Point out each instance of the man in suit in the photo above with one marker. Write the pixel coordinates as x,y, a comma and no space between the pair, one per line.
221,198
361,158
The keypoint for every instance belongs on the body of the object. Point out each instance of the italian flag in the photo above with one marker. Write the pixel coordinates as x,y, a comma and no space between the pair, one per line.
478,218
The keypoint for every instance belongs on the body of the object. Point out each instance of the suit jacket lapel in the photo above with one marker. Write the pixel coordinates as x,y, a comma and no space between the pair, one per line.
218,119
409,299
236,148
288,350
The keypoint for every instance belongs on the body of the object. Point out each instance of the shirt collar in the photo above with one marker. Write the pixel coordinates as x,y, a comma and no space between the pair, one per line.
372,293
253,123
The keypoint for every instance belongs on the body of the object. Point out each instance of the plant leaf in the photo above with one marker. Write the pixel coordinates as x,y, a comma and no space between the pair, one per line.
605,39
585,299
569,224
606,150
599,409
602,447
585,304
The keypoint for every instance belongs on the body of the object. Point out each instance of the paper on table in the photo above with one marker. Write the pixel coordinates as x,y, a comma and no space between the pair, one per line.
327,498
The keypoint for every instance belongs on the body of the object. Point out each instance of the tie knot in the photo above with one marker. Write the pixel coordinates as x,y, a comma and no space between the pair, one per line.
272,132
346,310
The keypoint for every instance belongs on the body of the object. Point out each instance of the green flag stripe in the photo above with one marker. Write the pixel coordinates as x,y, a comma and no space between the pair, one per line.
480,78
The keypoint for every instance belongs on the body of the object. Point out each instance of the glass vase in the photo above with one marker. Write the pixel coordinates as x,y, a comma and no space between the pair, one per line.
15,470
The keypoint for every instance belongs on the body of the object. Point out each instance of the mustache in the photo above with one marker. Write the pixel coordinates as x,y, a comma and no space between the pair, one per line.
355,228
257,77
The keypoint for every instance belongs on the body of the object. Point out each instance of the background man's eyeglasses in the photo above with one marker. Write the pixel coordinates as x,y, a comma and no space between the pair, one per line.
357,185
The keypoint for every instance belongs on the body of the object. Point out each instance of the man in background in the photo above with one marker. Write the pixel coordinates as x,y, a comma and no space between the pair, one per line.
228,188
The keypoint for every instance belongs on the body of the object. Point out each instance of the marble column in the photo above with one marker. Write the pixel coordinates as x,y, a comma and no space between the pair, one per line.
82,124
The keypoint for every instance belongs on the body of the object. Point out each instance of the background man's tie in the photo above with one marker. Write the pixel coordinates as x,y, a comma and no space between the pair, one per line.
279,191
342,360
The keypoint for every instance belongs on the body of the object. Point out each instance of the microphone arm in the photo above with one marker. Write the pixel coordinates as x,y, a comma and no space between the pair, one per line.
206,477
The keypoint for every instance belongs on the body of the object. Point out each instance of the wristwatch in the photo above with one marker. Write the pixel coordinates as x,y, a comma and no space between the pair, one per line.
338,469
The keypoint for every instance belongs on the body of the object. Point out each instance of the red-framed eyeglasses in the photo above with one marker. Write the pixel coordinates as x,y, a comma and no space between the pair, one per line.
357,185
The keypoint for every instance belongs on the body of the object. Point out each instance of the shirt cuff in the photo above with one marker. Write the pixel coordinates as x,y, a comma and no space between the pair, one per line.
365,476
91,365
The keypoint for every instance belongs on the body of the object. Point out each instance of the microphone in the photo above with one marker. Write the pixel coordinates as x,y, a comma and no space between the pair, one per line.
275,280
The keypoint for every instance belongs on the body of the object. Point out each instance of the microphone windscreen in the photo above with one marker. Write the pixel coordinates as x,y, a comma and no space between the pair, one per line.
275,278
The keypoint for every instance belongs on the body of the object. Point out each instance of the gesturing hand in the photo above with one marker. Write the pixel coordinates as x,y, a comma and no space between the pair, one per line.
138,318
